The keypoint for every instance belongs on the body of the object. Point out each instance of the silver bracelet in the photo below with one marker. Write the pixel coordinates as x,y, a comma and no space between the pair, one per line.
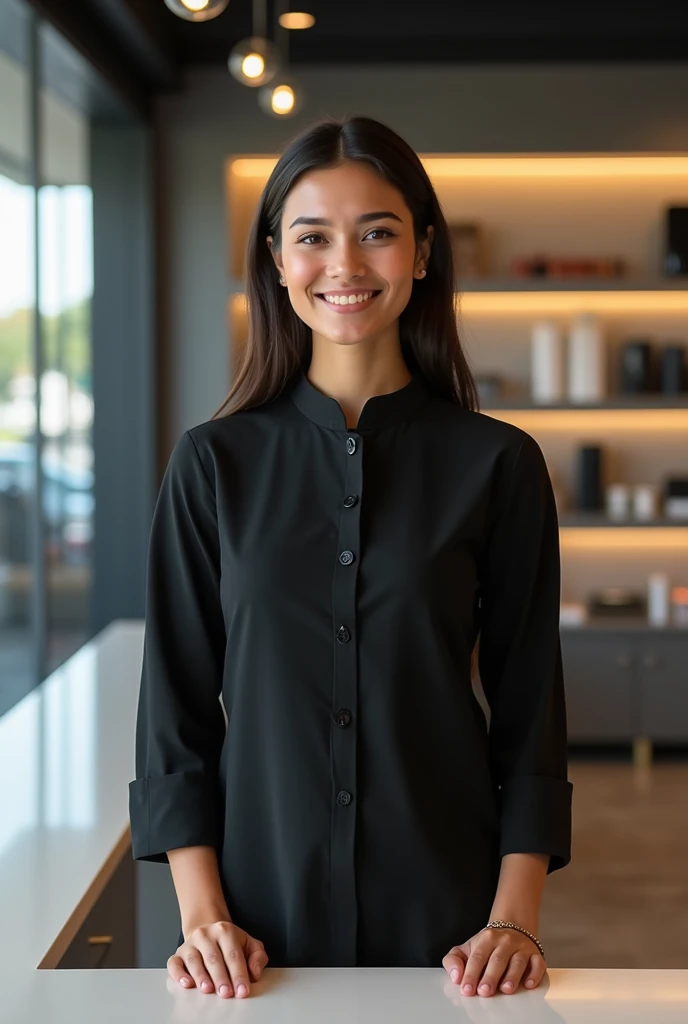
517,927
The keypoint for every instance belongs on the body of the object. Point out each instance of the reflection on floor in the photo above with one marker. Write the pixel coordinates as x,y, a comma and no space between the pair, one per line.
623,899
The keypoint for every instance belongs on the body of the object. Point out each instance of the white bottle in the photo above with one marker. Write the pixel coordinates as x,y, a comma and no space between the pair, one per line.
547,362
658,605
587,360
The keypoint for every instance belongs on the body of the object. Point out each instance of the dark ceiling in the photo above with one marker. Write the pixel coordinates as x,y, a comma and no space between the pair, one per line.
150,46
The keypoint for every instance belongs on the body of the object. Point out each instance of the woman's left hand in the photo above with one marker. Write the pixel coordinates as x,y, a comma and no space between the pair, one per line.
498,958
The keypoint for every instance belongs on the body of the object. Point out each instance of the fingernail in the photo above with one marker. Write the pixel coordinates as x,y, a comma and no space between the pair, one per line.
530,983
206,985
484,989
184,981
224,990
508,984
454,974
468,989
242,990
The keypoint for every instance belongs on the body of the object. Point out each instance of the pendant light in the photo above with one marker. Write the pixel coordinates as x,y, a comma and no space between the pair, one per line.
254,61
197,10
284,96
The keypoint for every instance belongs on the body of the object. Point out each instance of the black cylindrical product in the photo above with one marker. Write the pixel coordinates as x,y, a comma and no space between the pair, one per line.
673,377
636,367
590,478
676,247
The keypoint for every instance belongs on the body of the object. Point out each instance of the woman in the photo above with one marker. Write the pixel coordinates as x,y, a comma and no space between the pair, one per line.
324,554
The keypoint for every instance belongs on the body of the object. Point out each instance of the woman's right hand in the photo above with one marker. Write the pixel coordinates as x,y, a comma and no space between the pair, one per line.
218,957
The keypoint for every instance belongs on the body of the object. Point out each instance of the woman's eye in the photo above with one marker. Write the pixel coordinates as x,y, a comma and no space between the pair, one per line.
376,231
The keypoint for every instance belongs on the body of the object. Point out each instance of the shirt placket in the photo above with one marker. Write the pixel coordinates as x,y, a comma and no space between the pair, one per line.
344,709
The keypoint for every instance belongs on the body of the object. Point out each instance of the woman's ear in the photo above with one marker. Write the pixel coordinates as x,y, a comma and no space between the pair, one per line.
424,248
277,256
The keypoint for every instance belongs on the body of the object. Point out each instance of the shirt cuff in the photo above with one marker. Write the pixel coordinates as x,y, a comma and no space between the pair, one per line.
170,811
536,818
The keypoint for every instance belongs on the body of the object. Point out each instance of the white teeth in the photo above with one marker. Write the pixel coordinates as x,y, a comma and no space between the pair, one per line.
344,300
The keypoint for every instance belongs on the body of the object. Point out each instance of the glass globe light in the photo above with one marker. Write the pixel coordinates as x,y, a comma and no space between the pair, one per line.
253,61
197,10
281,99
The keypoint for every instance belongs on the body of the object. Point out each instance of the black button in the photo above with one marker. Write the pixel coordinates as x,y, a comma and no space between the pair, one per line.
346,557
351,445
343,797
343,635
343,717
350,500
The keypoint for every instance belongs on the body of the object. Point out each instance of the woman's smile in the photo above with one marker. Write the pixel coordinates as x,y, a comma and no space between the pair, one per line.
351,301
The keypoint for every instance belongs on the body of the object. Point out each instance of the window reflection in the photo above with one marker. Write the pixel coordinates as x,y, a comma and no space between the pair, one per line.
17,386
66,403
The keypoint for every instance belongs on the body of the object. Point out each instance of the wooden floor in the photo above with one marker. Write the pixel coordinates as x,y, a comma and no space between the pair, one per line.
623,899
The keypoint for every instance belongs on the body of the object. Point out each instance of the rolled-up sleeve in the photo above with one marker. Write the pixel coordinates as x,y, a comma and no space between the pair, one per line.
520,663
174,800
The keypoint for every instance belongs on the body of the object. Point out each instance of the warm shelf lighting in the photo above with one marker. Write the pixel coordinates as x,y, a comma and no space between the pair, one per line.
582,420
565,165
661,538
253,167
295,20
529,166
569,301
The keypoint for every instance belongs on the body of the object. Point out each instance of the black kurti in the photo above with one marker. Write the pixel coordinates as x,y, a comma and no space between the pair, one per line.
330,584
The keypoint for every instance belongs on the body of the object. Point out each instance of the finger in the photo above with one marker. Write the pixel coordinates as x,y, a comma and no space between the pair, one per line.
196,968
236,962
495,968
475,965
454,963
178,972
535,972
514,972
256,957
214,959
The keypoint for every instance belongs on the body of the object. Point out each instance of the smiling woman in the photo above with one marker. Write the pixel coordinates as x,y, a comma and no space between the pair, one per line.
349,223
324,557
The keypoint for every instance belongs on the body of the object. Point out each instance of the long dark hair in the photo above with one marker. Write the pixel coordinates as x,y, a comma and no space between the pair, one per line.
279,343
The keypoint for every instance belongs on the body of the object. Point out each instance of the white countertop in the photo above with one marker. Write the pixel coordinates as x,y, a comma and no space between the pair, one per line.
66,758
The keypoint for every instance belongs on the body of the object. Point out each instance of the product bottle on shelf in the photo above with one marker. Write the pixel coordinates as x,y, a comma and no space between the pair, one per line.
547,372
587,360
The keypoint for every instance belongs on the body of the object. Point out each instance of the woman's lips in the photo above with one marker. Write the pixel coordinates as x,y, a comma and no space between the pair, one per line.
349,307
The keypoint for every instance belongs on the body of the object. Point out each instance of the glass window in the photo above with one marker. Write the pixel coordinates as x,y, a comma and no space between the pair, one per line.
66,398
17,377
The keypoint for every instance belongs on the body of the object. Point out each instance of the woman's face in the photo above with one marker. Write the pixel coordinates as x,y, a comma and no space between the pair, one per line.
346,232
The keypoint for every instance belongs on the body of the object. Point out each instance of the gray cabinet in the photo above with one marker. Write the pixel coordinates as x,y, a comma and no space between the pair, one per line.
599,690
663,696
622,685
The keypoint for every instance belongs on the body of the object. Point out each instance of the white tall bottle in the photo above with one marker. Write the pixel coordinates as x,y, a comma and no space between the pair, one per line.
587,360
547,374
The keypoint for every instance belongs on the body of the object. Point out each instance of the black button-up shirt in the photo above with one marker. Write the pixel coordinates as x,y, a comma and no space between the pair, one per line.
329,584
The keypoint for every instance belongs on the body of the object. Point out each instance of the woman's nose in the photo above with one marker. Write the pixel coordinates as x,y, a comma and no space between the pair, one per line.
346,261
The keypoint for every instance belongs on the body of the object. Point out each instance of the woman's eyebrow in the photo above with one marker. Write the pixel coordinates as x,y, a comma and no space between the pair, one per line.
314,221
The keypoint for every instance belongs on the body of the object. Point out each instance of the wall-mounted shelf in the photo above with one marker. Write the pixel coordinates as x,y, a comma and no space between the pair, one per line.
579,284
622,625
595,520
637,403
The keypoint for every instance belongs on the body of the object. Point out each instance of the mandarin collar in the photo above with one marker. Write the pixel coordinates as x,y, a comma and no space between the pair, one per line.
379,411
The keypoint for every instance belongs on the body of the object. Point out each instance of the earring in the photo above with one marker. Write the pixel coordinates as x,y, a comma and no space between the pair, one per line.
422,272
282,281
